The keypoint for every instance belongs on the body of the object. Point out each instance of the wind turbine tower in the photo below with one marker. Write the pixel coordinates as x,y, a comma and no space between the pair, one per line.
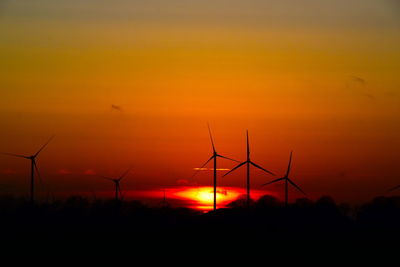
116,182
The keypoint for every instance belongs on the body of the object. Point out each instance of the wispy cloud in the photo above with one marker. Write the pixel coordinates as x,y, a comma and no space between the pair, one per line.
222,192
64,171
89,172
210,169
116,107
358,80
359,84
370,96
186,182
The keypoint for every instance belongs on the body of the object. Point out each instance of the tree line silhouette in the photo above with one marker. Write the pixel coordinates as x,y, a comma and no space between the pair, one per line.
265,219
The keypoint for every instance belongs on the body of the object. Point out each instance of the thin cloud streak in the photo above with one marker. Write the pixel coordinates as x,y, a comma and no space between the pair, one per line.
64,172
116,108
89,172
358,80
210,169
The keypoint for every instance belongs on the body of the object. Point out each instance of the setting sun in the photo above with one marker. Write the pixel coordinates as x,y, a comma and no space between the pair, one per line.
203,197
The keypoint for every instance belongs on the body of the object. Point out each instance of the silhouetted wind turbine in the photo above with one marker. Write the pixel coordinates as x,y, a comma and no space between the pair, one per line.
33,167
165,197
164,202
117,181
287,180
214,157
248,162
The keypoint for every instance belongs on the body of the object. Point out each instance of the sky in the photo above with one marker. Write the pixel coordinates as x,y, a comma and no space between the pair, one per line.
134,83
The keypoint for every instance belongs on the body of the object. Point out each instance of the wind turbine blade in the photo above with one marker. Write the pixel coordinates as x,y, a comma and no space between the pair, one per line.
37,170
394,188
37,153
38,175
199,169
290,163
120,192
15,155
124,174
227,158
274,181
296,186
248,144
261,168
238,166
211,138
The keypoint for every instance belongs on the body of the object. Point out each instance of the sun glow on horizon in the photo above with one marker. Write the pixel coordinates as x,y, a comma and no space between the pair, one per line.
193,197
203,197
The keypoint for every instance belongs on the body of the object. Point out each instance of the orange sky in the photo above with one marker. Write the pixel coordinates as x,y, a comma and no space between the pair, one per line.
320,78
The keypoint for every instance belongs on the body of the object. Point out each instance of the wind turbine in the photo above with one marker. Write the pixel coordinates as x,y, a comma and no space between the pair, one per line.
248,162
214,157
117,181
287,180
164,202
33,167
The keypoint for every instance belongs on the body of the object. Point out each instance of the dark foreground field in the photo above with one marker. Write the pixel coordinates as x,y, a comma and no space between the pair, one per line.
304,226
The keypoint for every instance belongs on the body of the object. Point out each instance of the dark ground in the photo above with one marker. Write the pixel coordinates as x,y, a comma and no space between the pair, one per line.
267,229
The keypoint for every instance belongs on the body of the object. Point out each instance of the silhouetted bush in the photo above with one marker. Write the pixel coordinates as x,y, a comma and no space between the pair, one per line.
240,202
382,213
267,202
